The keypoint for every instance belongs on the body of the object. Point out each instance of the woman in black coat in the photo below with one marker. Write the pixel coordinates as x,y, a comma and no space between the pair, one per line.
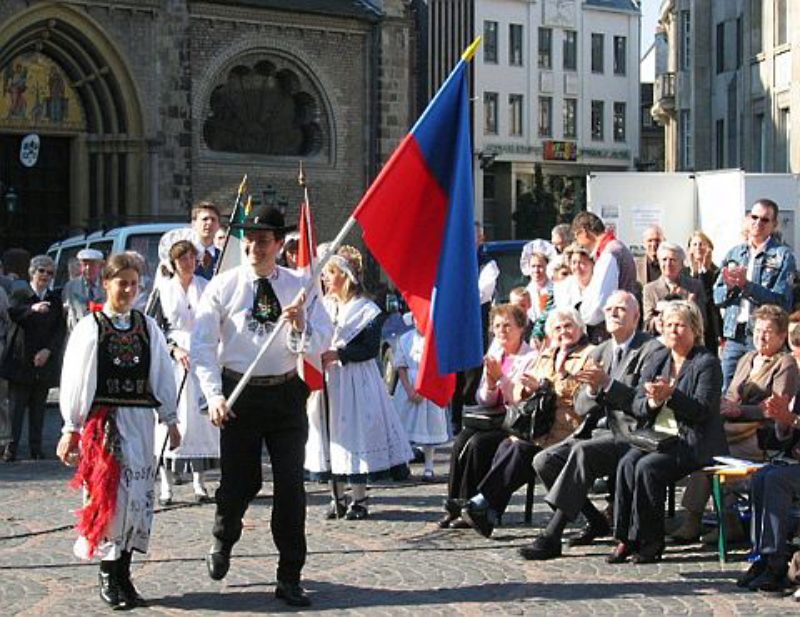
679,395
699,266
31,362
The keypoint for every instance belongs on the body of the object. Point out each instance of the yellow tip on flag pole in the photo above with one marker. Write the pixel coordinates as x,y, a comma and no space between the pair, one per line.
470,51
249,205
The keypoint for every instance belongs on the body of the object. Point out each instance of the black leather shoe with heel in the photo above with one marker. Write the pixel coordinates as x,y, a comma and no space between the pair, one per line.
218,560
292,593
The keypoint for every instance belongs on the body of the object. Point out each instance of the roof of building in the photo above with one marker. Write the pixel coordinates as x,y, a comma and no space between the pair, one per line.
359,9
619,5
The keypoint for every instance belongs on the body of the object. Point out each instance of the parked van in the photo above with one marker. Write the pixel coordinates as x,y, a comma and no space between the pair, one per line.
140,238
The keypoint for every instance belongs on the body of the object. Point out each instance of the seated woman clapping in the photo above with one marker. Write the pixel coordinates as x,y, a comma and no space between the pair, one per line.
473,448
679,397
767,370
512,466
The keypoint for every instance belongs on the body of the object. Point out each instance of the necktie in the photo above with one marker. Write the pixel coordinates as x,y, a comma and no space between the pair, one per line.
207,259
266,306
617,360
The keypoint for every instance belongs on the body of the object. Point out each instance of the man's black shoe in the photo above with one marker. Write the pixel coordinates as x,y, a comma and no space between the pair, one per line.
589,534
754,571
543,548
292,594
481,518
771,580
218,560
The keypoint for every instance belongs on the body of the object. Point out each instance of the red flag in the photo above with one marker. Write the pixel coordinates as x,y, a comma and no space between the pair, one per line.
310,367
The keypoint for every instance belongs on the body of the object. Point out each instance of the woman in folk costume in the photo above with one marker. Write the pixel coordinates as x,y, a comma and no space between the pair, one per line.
116,377
425,422
178,297
355,434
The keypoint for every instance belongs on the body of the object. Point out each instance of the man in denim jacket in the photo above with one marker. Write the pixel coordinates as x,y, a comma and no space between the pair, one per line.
759,271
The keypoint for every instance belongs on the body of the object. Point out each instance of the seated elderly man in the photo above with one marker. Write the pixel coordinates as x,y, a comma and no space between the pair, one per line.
570,468
773,489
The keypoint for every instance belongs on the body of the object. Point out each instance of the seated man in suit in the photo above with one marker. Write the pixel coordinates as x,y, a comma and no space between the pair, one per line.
569,468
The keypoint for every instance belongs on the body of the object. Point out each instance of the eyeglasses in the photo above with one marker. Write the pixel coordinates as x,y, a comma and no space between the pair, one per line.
764,219
45,271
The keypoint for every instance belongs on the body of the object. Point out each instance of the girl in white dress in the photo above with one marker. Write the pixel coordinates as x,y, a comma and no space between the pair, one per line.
179,294
355,434
425,422
116,374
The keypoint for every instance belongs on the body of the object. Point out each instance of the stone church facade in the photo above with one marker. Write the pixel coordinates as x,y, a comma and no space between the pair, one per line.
142,107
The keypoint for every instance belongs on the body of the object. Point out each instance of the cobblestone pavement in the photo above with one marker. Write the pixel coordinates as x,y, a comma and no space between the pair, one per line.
397,562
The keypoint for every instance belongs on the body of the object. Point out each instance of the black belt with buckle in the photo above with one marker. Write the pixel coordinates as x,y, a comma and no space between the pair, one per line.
260,380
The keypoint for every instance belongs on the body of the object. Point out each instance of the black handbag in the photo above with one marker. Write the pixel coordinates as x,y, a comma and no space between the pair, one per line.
481,418
533,417
650,440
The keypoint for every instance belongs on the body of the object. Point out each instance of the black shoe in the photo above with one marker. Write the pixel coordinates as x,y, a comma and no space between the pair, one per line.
460,523
589,534
110,591
543,548
218,560
754,571
201,498
771,580
620,554
357,511
10,455
336,509
129,597
446,520
292,593
481,518
648,552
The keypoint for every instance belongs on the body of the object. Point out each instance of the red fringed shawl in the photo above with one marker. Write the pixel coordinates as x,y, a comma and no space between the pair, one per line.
99,472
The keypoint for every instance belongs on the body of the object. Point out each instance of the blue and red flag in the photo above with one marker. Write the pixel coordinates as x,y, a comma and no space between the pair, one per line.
417,220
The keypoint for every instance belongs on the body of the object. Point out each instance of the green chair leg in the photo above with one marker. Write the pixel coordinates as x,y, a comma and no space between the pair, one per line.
719,506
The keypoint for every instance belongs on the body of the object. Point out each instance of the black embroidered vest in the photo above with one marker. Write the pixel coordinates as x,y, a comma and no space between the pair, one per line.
123,363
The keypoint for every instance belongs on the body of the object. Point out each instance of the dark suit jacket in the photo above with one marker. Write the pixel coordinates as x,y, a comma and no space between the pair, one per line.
695,403
615,403
33,332
656,291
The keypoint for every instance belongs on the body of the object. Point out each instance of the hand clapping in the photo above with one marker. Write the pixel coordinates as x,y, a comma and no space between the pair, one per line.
593,375
659,391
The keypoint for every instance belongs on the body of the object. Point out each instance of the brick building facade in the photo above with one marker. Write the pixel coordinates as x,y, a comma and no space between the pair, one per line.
154,104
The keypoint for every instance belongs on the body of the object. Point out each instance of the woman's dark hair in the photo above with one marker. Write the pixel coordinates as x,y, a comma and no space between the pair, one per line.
176,251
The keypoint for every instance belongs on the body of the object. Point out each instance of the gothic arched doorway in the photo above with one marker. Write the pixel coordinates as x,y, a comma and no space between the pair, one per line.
65,82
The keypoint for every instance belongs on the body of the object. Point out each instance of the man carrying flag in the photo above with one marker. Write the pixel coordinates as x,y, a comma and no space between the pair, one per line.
239,310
